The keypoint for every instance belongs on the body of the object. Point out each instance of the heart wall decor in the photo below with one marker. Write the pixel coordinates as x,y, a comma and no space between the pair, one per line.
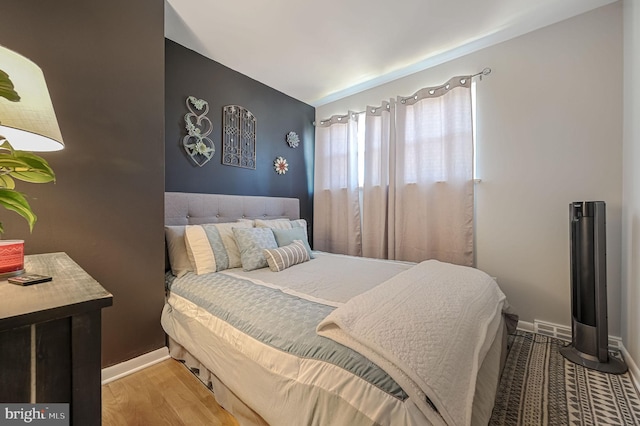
196,143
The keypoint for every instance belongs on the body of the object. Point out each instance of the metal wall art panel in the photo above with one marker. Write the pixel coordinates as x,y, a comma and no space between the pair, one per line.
238,137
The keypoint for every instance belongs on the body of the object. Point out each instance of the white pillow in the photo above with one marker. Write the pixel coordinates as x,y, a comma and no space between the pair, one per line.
200,251
282,224
178,257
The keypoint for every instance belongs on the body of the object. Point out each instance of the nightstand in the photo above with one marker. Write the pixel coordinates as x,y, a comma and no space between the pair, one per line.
50,338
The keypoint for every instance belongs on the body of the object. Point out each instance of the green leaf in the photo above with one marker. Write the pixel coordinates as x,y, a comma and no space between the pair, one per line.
1,229
36,163
27,167
23,166
7,88
9,161
32,176
15,201
7,181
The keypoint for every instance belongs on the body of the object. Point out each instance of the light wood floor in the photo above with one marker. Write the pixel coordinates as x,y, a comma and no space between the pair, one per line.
166,393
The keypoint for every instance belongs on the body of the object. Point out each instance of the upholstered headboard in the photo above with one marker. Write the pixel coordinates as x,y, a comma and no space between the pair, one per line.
181,208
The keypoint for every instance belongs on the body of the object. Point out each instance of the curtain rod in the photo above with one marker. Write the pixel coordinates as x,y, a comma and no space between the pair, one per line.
485,71
446,85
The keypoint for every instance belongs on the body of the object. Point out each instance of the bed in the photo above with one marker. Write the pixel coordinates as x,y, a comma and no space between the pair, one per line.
330,339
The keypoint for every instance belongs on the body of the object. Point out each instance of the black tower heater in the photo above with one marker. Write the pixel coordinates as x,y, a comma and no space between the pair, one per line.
590,331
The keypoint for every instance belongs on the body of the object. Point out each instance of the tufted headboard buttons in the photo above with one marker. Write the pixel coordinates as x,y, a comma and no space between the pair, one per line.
183,208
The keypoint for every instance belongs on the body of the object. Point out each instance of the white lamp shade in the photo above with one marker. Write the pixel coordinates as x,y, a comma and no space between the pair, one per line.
29,124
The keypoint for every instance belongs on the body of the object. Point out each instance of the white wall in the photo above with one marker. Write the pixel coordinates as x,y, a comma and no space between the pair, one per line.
631,182
549,132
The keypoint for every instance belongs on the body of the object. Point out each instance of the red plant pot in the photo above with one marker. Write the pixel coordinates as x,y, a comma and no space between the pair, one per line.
11,256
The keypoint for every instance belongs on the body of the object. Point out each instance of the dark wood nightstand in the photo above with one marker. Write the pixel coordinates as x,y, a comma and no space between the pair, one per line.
50,338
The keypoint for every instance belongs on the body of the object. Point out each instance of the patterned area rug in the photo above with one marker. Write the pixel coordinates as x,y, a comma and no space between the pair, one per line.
540,387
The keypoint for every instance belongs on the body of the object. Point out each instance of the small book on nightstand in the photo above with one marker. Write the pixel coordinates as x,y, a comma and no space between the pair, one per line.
28,279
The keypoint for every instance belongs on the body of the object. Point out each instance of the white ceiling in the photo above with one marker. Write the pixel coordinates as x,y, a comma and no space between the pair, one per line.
319,52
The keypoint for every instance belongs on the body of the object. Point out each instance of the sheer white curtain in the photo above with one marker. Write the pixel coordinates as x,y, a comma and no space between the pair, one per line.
336,204
418,179
434,174
378,187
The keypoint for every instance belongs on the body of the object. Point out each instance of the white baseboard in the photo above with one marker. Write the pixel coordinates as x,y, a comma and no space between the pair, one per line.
125,368
560,331
633,367
526,326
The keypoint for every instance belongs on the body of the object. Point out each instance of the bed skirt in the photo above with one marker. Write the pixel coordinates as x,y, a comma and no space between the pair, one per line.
484,400
223,395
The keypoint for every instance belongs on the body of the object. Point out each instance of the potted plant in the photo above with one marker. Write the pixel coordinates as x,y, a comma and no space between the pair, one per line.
18,165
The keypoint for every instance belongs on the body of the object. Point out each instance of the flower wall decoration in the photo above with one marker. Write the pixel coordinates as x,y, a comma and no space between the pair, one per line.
196,143
281,166
292,139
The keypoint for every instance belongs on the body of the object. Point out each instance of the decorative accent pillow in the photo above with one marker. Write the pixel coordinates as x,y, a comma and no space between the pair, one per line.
251,242
205,248
284,237
176,247
286,256
229,241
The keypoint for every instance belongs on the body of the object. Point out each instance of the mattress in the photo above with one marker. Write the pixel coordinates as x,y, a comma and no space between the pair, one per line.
255,332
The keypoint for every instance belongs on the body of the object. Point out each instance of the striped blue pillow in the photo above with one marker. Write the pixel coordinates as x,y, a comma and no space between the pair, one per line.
283,257
205,249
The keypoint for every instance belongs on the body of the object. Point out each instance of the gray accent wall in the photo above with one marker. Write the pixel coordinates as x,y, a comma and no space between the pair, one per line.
190,74
104,65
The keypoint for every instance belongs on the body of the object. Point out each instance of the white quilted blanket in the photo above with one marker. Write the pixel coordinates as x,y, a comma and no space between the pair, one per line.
430,328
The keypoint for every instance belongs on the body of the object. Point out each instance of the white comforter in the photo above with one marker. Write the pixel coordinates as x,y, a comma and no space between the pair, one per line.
430,328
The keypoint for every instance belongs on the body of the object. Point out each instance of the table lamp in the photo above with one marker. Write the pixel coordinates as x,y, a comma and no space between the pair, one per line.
28,122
